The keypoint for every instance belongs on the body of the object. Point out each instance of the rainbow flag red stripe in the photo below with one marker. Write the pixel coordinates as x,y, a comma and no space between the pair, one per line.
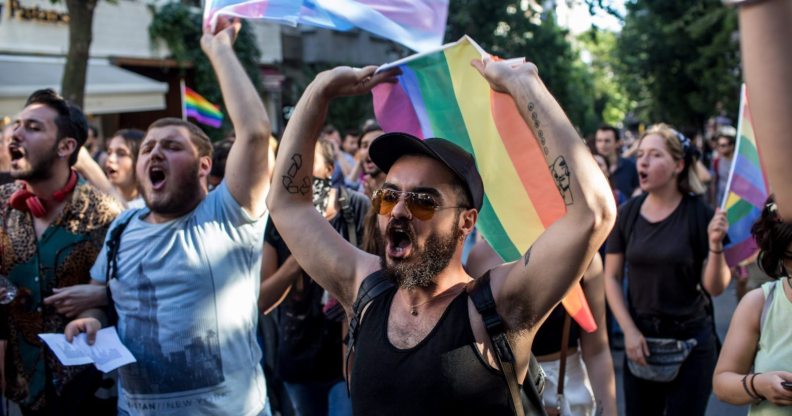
746,190
201,109
439,94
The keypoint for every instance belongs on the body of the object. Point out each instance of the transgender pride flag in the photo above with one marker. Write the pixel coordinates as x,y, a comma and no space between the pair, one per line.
417,24
746,191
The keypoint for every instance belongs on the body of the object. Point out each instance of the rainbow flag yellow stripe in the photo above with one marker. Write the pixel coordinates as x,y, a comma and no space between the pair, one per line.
439,94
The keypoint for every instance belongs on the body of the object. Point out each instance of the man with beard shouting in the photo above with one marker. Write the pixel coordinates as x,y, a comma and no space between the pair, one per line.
423,347
52,228
183,272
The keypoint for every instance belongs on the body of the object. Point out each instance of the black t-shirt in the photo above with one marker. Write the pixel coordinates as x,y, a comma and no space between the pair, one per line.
663,271
309,344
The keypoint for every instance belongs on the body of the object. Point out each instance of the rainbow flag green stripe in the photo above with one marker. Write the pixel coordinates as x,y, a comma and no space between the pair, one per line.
440,94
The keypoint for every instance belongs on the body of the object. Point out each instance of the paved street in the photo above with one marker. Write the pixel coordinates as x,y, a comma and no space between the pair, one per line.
724,307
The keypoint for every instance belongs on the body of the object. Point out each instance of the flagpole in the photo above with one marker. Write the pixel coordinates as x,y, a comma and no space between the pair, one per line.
736,153
183,99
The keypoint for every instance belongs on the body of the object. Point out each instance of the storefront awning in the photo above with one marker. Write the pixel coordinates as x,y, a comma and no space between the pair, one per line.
109,89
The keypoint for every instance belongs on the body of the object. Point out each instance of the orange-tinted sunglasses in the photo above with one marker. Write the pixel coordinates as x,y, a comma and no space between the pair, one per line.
421,205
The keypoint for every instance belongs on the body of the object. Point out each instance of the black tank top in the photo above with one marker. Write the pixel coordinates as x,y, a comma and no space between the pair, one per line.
443,374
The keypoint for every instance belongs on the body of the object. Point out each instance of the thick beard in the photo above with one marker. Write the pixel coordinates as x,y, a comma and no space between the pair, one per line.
430,261
181,200
41,169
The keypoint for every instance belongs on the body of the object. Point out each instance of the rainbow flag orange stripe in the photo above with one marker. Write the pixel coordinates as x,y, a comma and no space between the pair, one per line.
439,94
201,109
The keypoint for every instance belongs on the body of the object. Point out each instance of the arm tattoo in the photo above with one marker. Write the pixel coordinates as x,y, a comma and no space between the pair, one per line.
561,175
288,179
536,123
527,255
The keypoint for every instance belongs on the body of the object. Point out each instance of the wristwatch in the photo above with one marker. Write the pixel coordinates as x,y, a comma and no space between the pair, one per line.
738,3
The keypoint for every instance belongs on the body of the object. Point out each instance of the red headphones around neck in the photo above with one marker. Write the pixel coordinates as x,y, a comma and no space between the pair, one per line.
26,201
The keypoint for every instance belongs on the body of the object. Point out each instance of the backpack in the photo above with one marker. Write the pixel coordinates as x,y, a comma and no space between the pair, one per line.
527,401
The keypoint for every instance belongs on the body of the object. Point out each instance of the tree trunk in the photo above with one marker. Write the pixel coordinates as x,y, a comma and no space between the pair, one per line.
81,14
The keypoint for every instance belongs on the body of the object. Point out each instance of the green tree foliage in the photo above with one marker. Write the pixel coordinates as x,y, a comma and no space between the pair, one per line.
507,29
678,60
179,27
610,99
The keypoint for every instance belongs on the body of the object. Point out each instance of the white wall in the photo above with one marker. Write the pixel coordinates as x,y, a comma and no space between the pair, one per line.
119,29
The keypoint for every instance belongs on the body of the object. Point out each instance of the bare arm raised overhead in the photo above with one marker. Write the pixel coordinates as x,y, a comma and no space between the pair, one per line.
526,290
329,259
247,172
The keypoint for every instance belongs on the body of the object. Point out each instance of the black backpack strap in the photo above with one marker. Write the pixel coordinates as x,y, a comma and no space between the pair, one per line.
349,216
372,286
111,268
631,210
481,295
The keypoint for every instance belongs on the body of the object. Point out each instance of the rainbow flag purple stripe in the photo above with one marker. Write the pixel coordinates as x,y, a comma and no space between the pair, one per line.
746,191
417,24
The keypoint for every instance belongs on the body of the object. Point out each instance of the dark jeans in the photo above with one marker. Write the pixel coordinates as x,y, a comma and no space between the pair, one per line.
320,399
78,398
688,393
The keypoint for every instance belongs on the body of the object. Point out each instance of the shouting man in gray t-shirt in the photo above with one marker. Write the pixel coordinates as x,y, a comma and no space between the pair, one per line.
184,273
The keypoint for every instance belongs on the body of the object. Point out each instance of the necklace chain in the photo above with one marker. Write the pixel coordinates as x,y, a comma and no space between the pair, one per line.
414,308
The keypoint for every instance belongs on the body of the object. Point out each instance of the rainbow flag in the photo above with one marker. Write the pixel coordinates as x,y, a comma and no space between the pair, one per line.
746,189
417,24
201,109
439,94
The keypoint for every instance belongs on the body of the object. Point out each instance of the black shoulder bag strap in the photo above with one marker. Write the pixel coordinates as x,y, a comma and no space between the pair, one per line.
371,287
111,269
349,216
481,295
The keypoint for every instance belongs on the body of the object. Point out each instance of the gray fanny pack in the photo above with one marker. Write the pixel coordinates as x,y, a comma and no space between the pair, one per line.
665,359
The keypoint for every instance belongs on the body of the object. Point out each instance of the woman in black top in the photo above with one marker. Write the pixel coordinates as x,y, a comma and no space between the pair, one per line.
670,253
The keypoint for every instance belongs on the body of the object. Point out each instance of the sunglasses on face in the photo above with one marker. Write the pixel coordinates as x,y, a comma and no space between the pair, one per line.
420,204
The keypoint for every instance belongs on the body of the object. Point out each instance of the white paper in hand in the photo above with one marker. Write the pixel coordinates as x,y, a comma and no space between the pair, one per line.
107,353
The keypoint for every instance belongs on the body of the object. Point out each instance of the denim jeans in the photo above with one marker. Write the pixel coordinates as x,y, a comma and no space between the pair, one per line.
688,393
320,399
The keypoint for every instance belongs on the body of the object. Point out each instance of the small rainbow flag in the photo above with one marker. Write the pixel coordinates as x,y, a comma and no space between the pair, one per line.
746,190
417,24
439,94
199,108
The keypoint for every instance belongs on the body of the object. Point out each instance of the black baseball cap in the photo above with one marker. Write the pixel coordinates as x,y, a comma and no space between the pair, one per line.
385,150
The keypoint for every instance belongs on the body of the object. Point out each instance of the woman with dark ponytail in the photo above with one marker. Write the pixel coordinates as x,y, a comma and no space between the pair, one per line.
755,365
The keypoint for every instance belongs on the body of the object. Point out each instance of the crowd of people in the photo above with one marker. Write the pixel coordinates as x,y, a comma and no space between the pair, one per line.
326,273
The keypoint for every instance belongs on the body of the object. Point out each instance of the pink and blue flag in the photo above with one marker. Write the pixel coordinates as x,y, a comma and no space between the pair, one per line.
746,190
416,24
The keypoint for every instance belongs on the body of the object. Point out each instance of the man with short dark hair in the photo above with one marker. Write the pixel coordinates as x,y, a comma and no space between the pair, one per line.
622,171
183,272
725,141
52,230
422,346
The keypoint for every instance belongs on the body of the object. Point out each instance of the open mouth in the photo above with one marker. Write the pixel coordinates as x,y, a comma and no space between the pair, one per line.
399,241
16,153
642,176
157,177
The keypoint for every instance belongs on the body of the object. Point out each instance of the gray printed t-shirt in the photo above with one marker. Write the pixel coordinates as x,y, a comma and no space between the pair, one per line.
186,297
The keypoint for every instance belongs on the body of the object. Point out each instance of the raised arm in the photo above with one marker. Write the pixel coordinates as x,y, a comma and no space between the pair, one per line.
765,31
329,259
247,172
526,290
